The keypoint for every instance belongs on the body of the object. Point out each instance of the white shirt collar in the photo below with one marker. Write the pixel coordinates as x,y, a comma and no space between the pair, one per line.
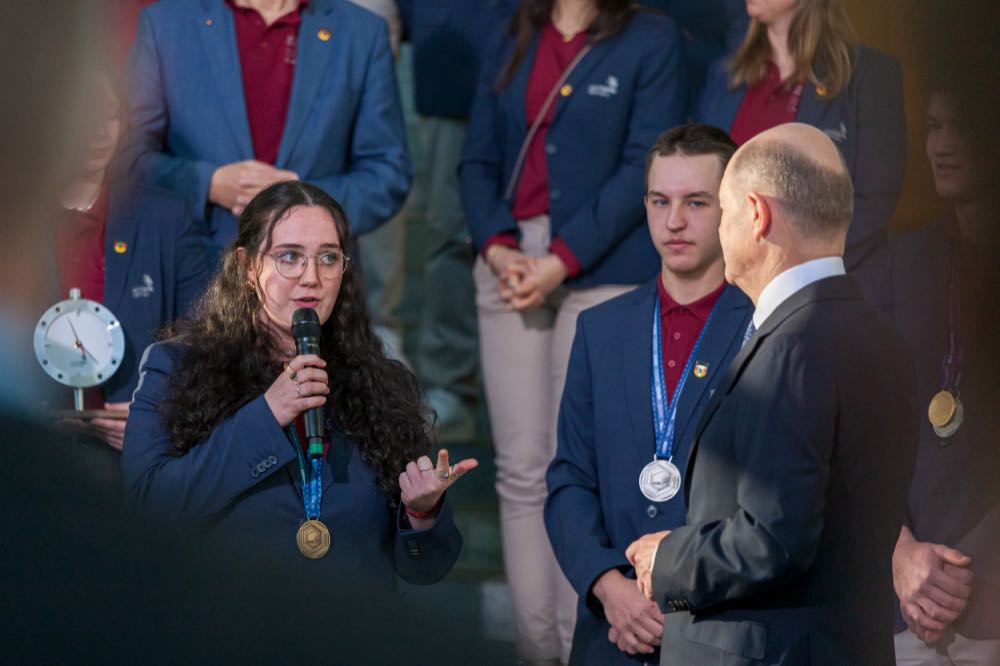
785,284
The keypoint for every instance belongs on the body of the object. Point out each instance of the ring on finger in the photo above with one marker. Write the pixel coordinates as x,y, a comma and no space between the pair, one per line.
444,474
425,469
291,373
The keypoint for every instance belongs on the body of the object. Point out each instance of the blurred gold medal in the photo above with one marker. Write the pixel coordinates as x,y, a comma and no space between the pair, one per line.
942,409
313,539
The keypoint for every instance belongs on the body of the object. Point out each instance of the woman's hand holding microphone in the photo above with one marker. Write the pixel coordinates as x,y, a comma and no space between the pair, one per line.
303,385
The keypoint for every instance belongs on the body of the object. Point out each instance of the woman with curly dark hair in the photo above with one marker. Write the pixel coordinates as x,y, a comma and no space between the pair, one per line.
216,434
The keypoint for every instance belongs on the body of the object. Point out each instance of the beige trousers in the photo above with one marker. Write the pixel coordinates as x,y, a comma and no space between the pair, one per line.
524,357
956,650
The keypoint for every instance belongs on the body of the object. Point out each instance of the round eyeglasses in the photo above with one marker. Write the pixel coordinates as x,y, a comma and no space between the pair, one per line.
292,264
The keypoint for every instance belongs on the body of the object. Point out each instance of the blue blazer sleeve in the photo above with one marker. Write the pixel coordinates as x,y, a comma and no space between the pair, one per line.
879,162
188,179
210,476
659,102
426,556
482,172
379,174
574,517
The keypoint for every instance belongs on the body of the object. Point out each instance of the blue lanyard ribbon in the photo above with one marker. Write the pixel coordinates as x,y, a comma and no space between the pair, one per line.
951,363
312,477
665,410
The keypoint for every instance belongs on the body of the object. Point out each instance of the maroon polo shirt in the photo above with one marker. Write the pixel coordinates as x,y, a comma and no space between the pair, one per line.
79,245
765,105
680,326
267,62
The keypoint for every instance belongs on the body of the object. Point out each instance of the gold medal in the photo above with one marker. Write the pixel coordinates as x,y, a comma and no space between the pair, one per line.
313,539
942,409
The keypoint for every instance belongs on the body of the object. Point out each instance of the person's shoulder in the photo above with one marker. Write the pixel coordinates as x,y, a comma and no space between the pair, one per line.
650,25
612,311
168,10
872,63
164,355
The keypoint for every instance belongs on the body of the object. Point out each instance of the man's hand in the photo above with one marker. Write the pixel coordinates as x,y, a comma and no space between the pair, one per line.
536,280
234,185
933,583
636,622
640,554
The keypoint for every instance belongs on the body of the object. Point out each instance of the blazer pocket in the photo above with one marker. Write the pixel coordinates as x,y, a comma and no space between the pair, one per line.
742,637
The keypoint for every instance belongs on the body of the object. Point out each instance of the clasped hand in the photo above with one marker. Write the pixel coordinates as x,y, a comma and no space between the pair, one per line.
525,281
636,622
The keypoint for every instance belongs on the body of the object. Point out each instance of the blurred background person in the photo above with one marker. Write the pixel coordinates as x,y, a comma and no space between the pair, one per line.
604,491
800,62
712,29
945,282
447,41
133,248
569,101
265,91
217,439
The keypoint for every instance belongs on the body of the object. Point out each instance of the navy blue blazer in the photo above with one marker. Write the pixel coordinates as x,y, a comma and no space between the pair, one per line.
243,481
628,89
344,129
868,124
594,508
161,270
954,498
712,28
448,38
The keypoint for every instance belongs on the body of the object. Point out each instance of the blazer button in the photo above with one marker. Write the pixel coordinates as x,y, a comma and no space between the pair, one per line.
272,460
651,511
254,473
261,467
550,149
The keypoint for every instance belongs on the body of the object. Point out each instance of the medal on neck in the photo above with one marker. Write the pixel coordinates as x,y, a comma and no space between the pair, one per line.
946,412
312,537
660,480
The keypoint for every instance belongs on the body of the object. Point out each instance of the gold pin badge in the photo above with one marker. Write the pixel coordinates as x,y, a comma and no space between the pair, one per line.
700,370
566,90
324,34
208,22
120,247
821,90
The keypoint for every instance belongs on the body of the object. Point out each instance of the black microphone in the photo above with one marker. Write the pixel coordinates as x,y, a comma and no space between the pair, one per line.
307,331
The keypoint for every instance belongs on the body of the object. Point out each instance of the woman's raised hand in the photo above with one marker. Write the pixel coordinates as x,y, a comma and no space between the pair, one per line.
422,484
302,385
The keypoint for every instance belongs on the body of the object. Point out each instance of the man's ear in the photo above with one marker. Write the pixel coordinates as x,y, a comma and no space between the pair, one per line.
761,219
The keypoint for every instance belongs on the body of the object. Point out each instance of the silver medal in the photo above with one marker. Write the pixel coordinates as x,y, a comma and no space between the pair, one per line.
660,480
950,428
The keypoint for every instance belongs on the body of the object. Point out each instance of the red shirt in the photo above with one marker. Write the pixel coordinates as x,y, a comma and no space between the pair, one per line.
768,104
267,60
680,326
79,241
552,57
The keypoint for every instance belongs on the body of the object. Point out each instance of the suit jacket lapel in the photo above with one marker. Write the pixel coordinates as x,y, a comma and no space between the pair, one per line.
218,37
580,73
720,336
120,232
811,107
637,369
313,56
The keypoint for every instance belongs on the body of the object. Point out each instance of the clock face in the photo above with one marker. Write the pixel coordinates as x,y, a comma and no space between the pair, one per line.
79,342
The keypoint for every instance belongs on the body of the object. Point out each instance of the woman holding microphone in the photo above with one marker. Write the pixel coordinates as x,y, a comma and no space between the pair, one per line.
571,97
216,434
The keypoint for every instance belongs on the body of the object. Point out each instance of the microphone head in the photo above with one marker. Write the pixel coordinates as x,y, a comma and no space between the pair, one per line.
305,324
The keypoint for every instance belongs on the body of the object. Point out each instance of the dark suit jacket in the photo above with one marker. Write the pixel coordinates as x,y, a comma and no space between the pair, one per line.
955,495
627,90
448,38
868,124
162,271
796,489
344,131
243,482
595,508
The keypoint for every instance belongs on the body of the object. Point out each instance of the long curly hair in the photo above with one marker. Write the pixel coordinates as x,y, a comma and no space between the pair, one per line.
229,358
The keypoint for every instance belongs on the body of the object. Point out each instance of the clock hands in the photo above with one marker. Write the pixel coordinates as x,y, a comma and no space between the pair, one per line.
79,344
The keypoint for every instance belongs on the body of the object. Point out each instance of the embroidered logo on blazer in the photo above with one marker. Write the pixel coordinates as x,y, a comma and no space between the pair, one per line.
837,135
606,89
145,290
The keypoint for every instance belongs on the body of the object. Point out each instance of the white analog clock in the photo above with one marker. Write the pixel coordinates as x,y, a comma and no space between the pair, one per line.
79,342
